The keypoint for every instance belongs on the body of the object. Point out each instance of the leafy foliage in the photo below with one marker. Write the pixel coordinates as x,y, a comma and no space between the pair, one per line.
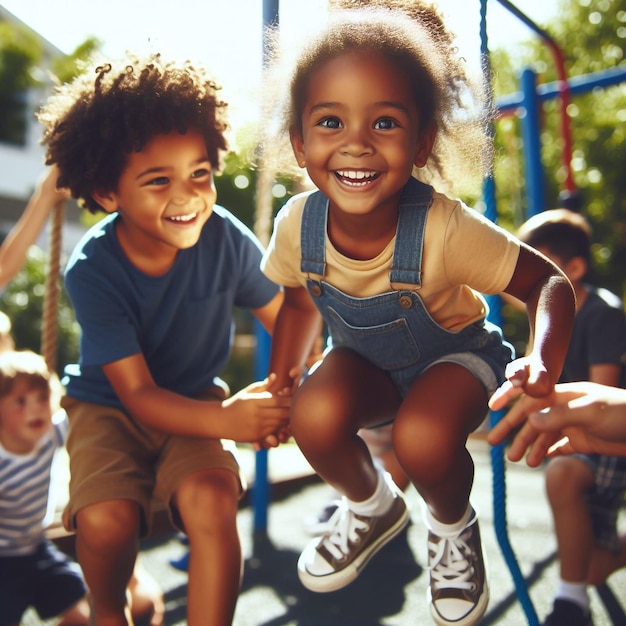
592,37
23,302
20,52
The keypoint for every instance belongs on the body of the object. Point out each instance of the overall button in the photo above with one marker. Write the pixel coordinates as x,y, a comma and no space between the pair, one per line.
316,290
406,302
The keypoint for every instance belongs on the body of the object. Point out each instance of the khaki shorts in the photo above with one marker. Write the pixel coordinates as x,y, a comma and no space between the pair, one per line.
112,457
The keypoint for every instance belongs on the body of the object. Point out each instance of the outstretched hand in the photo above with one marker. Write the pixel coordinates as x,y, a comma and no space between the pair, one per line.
576,417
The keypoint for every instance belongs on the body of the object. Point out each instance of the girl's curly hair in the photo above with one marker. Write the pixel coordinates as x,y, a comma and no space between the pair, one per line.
413,36
113,108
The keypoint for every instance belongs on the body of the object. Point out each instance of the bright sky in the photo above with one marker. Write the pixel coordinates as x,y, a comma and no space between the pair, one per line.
227,34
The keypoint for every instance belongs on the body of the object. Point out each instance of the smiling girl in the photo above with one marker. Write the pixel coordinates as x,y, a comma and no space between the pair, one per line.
378,108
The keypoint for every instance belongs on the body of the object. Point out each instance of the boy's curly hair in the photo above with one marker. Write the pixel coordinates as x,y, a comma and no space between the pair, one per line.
413,36
113,108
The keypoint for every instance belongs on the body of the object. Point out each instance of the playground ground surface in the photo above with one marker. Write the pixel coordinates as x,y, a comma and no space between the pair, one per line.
392,590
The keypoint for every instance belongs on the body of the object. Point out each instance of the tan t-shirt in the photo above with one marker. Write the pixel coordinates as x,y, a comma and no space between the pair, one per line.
464,256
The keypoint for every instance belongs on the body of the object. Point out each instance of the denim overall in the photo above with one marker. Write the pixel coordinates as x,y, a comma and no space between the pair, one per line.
393,330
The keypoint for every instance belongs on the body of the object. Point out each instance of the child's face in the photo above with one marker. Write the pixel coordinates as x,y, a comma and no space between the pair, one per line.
360,132
165,196
25,416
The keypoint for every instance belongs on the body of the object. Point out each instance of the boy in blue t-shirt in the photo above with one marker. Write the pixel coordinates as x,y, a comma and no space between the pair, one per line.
153,286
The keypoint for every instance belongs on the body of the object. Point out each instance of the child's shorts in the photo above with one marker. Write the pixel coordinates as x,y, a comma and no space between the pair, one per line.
607,496
112,457
46,580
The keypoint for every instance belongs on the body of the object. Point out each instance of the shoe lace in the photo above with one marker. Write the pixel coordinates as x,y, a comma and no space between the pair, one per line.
451,565
343,530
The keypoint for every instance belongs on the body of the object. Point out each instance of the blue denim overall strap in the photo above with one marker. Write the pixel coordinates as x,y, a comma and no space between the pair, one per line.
407,255
392,330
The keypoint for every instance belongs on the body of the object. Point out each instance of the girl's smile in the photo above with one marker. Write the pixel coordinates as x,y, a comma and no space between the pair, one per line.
356,178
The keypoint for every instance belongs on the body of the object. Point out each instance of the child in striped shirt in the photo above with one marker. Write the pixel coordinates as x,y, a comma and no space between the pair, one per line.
33,573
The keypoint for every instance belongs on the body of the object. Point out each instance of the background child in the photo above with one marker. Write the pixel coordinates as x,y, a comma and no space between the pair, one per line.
585,491
33,572
153,286
396,270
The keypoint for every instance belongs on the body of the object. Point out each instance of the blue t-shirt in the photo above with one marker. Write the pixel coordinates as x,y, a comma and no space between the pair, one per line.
181,321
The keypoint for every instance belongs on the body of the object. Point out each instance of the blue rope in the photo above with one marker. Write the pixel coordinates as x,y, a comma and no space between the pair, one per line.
497,452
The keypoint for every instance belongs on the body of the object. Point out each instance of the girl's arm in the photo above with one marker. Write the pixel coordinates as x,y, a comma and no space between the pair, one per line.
551,306
298,326
267,314
26,230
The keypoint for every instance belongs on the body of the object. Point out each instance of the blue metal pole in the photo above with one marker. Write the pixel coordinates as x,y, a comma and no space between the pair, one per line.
577,85
532,144
261,488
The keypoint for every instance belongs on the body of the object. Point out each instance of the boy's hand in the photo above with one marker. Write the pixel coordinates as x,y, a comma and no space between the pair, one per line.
527,438
254,413
576,417
284,432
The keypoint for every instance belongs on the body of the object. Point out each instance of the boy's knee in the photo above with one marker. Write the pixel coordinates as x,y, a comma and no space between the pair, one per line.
108,523
208,499
567,477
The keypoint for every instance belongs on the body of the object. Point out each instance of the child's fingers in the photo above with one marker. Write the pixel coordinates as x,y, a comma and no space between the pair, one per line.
539,449
507,391
560,448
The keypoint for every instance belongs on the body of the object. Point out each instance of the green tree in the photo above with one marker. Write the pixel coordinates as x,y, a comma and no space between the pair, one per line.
592,36
23,301
21,55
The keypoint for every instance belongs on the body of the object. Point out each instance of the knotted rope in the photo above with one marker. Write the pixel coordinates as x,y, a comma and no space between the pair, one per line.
49,326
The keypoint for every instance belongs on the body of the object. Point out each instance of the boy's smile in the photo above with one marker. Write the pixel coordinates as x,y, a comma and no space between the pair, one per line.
165,196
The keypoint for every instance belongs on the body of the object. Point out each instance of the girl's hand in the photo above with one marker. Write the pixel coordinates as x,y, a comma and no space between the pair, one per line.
274,440
525,375
254,413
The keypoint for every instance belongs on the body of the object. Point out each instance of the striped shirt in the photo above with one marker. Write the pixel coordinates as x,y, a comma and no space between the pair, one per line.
26,504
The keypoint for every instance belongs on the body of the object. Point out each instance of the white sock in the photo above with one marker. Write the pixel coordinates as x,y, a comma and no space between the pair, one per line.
378,503
574,592
442,530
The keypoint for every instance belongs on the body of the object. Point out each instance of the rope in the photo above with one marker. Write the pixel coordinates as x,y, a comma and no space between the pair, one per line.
497,452
49,328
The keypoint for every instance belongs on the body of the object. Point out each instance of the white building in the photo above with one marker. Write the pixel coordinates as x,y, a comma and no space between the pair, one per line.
22,164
